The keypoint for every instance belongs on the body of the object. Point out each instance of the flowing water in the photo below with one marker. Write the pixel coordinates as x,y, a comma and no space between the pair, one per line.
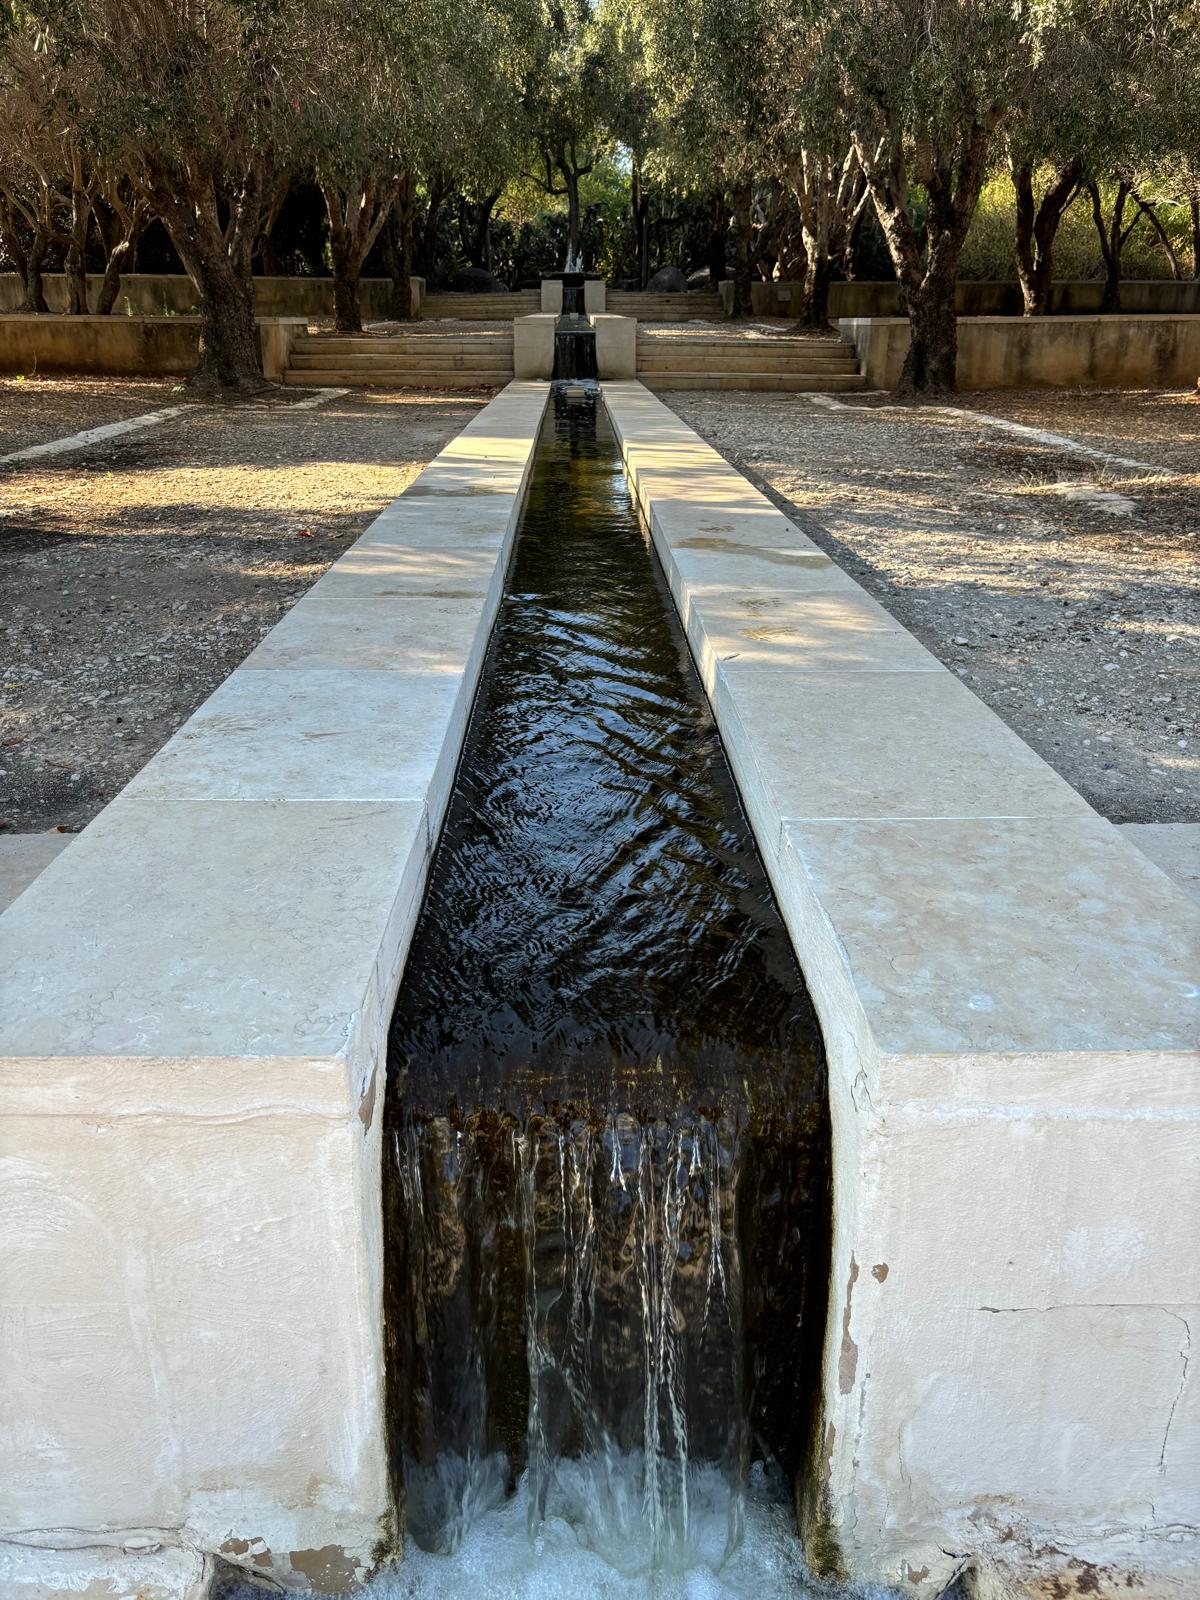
607,1150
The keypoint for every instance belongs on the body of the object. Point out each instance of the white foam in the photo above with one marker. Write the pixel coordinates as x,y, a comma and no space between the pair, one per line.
567,1560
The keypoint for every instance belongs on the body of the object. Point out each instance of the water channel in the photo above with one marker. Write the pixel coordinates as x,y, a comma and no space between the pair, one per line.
606,1135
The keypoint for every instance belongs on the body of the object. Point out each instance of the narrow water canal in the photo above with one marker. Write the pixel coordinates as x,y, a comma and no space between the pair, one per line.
607,1151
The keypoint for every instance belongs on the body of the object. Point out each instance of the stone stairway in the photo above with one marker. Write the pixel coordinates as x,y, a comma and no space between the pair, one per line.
481,307
698,306
410,358
729,361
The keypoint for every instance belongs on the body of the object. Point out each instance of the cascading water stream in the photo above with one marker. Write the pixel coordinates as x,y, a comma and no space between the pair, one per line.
606,1191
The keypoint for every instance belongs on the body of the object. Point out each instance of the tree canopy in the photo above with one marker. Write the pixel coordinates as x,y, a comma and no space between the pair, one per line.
756,138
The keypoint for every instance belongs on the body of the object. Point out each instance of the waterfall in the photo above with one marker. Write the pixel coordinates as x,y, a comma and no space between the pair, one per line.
606,1176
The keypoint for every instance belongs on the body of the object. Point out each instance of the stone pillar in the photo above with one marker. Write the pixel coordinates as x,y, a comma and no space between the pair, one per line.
616,346
533,345
552,296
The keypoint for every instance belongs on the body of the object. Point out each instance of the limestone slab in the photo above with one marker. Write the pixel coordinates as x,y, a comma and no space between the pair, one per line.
206,928
432,630
319,734
1173,846
880,744
819,630
22,857
1016,937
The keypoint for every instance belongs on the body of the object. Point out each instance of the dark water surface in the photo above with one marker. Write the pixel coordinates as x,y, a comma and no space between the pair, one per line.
606,1188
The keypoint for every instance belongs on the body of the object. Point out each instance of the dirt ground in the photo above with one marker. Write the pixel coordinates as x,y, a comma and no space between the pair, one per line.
1065,592
134,576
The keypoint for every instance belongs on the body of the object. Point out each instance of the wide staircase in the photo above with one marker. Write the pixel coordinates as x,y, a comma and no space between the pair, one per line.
695,306
728,361
410,358
481,307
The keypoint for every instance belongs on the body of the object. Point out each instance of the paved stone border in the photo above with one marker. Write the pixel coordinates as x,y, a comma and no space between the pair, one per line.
1008,994
196,996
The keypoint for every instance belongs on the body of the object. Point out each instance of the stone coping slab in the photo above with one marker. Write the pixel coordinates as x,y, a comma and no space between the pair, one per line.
195,1003
1008,994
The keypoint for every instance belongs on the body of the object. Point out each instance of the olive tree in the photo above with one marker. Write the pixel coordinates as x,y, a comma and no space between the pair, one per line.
197,106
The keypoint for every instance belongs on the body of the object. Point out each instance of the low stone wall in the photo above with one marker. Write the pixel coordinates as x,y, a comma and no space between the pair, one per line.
1014,353
1007,993
128,346
172,294
197,993
1139,296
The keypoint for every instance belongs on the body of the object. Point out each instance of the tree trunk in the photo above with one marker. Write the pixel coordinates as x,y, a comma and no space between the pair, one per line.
1112,239
818,275
1194,211
398,249
571,180
1037,228
743,221
1150,212
229,350
932,359
426,248
76,263
639,219
715,251
35,288
347,312
120,258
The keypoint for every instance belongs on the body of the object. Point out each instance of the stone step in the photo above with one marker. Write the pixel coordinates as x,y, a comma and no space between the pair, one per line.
431,345
791,382
393,378
654,360
400,359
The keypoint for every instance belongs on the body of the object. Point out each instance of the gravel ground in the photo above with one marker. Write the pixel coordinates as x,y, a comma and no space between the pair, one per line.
1161,428
1064,592
36,410
135,576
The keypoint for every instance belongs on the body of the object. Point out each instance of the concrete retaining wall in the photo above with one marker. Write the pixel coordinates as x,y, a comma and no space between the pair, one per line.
1008,997
196,998
172,294
1139,297
1012,353
128,346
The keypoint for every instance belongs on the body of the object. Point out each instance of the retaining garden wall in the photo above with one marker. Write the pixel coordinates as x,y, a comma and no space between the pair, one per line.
1139,296
1159,352
172,294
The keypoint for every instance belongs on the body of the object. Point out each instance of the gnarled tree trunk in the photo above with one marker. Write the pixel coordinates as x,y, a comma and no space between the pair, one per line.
134,219
743,226
219,267
1037,226
1112,236
398,248
357,211
926,260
